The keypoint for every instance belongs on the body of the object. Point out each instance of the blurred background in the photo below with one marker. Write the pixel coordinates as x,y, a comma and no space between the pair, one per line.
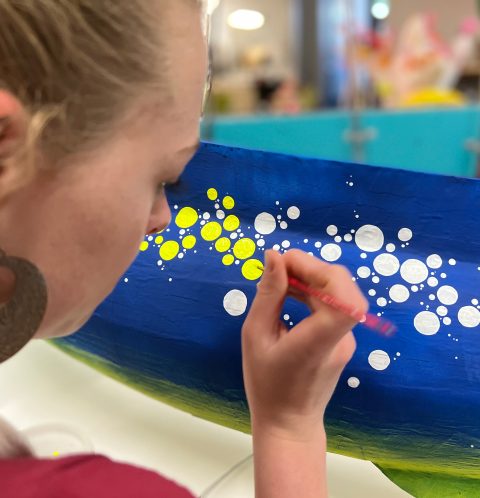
386,82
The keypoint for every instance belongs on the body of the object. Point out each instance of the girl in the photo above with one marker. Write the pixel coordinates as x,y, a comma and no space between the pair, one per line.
100,102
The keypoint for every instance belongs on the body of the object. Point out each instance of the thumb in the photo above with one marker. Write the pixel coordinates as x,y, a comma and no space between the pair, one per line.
271,293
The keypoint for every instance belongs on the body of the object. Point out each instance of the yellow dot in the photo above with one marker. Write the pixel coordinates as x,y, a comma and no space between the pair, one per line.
144,246
212,194
169,250
186,217
223,244
228,202
231,223
189,242
211,231
244,248
56,454
159,240
251,269
228,259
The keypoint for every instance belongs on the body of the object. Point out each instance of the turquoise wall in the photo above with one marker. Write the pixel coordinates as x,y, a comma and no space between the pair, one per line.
422,140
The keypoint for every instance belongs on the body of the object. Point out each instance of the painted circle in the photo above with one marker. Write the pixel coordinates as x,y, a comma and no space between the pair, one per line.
244,248
212,194
469,317
369,238
414,271
447,295
386,265
252,269
364,272
293,212
169,250
332,230
405,234
186,217
235,302
331,252
427,323
231,223
211,231
223,244
189,242
434,261
353,382
265,224
228,202
379,360
399,293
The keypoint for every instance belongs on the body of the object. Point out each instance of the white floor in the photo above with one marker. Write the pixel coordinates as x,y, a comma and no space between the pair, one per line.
44,389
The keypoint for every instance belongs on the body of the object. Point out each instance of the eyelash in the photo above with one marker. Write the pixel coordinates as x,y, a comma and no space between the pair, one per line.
170,186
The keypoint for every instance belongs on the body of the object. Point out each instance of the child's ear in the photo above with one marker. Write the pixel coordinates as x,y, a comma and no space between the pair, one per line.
13,135
13,125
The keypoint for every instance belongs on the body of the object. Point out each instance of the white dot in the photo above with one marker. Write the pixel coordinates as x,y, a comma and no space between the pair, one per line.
305,241
375,280
434,261
442,311
233,236
286,317
414,288
452,262
170,279
414,271
125,280
235,302
364,272
220,214
399,354
265,223
260,242
432,297
279,217
276,247
353,382
399,293
206,216
350,184
432,282
332,230
331,252
363,255
175,207
318,245
338,239
293,212
469,317
405,234
447,295
286,244
181,255
348,238
390,247
150,238
427,323
372,292
159,262
217,206
379,360
357,216
475,302
443,275
369,238
386,265
382,302
283,225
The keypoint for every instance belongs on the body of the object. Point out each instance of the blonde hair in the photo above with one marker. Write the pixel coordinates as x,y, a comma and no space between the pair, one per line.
76,66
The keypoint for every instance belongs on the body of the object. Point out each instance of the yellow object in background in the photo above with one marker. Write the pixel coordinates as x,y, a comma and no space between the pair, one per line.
434,97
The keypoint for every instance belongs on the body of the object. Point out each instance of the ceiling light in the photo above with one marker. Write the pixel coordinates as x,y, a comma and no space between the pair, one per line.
246,19
380,10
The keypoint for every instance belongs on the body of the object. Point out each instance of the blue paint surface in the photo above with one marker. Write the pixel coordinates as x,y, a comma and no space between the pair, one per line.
422,412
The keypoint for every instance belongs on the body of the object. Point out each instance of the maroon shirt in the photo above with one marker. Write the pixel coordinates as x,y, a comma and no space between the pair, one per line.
86,476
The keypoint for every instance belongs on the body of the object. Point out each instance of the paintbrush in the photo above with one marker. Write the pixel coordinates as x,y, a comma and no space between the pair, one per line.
373,322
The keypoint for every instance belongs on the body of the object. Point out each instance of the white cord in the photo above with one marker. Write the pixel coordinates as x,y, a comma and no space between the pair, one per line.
229,472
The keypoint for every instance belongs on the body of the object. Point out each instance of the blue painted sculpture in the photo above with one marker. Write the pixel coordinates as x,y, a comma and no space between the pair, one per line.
411,403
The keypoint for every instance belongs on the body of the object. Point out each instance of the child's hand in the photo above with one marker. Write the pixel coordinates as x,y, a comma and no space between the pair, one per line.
290,376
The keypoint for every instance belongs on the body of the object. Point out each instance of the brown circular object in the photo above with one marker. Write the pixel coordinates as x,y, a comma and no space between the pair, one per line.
22,314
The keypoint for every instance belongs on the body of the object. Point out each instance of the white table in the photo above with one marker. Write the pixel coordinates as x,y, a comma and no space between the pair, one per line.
41,385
